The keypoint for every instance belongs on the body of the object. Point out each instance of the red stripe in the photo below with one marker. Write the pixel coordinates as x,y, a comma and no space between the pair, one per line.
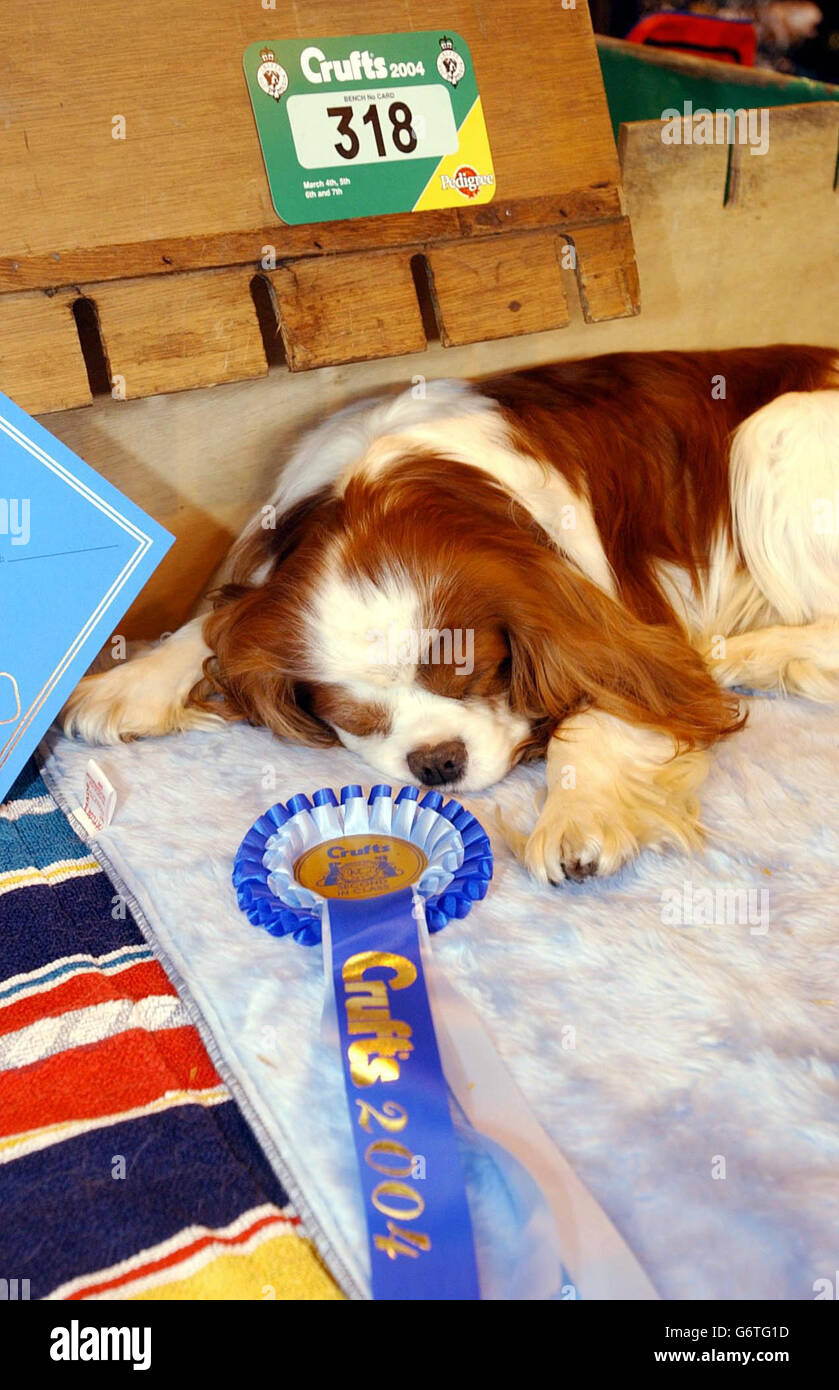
104,1078
88,987
177,1257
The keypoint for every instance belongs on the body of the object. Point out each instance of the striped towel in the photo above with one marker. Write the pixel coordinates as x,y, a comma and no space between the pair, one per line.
126,1168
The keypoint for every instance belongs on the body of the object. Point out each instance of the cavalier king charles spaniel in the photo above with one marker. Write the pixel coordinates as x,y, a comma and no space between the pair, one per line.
575,562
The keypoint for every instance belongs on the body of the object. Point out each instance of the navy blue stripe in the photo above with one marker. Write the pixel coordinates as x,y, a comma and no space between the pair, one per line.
65,1215
28,783
41,924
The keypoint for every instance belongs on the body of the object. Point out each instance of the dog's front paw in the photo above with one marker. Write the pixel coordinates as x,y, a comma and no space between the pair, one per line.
99,709
575,838
137,699
565,847
632,788
119,706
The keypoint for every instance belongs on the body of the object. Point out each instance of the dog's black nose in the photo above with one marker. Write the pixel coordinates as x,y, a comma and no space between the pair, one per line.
445,762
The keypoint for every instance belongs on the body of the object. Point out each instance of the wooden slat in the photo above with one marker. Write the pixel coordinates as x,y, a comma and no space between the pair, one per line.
179,331
497,288
606,272
680,189
802,147
41,363
672,179
754,271
165,255
347,308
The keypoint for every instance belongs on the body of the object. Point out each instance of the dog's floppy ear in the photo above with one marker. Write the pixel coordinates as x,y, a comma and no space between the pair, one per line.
572,645
270,539
256,630
250,674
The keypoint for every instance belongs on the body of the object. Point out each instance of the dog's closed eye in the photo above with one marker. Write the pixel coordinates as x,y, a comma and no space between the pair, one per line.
335,707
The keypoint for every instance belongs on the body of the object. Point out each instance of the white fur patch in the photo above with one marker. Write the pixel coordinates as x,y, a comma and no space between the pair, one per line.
726,600
419,718
347,622
784,487
785,500
333,449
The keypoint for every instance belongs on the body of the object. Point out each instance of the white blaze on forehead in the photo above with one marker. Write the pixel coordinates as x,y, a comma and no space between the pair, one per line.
361,631
357,633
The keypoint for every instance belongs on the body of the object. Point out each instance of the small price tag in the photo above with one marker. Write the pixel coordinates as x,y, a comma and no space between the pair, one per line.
100,799
360,126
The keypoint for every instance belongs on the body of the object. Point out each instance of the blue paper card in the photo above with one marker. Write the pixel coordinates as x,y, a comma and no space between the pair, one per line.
74,554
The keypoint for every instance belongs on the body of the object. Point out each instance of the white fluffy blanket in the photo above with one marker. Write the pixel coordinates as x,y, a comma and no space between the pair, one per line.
689,1069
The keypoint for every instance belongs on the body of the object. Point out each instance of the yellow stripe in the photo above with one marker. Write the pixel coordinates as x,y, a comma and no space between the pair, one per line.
282,1268
53,873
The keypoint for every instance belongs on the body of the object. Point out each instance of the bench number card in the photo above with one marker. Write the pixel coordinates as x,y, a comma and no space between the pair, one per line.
377,123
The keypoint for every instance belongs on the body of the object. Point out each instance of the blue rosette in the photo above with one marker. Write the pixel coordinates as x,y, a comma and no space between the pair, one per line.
454,843
345,868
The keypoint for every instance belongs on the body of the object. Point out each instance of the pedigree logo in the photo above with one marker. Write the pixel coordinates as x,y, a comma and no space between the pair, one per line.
360,866
467,181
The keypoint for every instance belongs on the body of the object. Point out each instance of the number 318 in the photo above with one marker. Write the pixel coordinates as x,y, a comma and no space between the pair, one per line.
401,133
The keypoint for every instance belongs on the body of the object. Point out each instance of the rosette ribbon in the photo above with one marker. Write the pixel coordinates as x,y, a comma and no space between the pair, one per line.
371,877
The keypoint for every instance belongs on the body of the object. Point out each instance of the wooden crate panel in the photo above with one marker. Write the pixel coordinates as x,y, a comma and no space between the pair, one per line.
498,287
681,189
172,332
755,270
801,153
607,275
41,363
186,184
138,180
347,308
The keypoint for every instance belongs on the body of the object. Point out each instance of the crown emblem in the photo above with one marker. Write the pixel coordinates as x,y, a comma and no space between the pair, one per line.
450,65
267,55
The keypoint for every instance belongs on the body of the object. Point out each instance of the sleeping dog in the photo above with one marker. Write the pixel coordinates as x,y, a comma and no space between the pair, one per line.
574,562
